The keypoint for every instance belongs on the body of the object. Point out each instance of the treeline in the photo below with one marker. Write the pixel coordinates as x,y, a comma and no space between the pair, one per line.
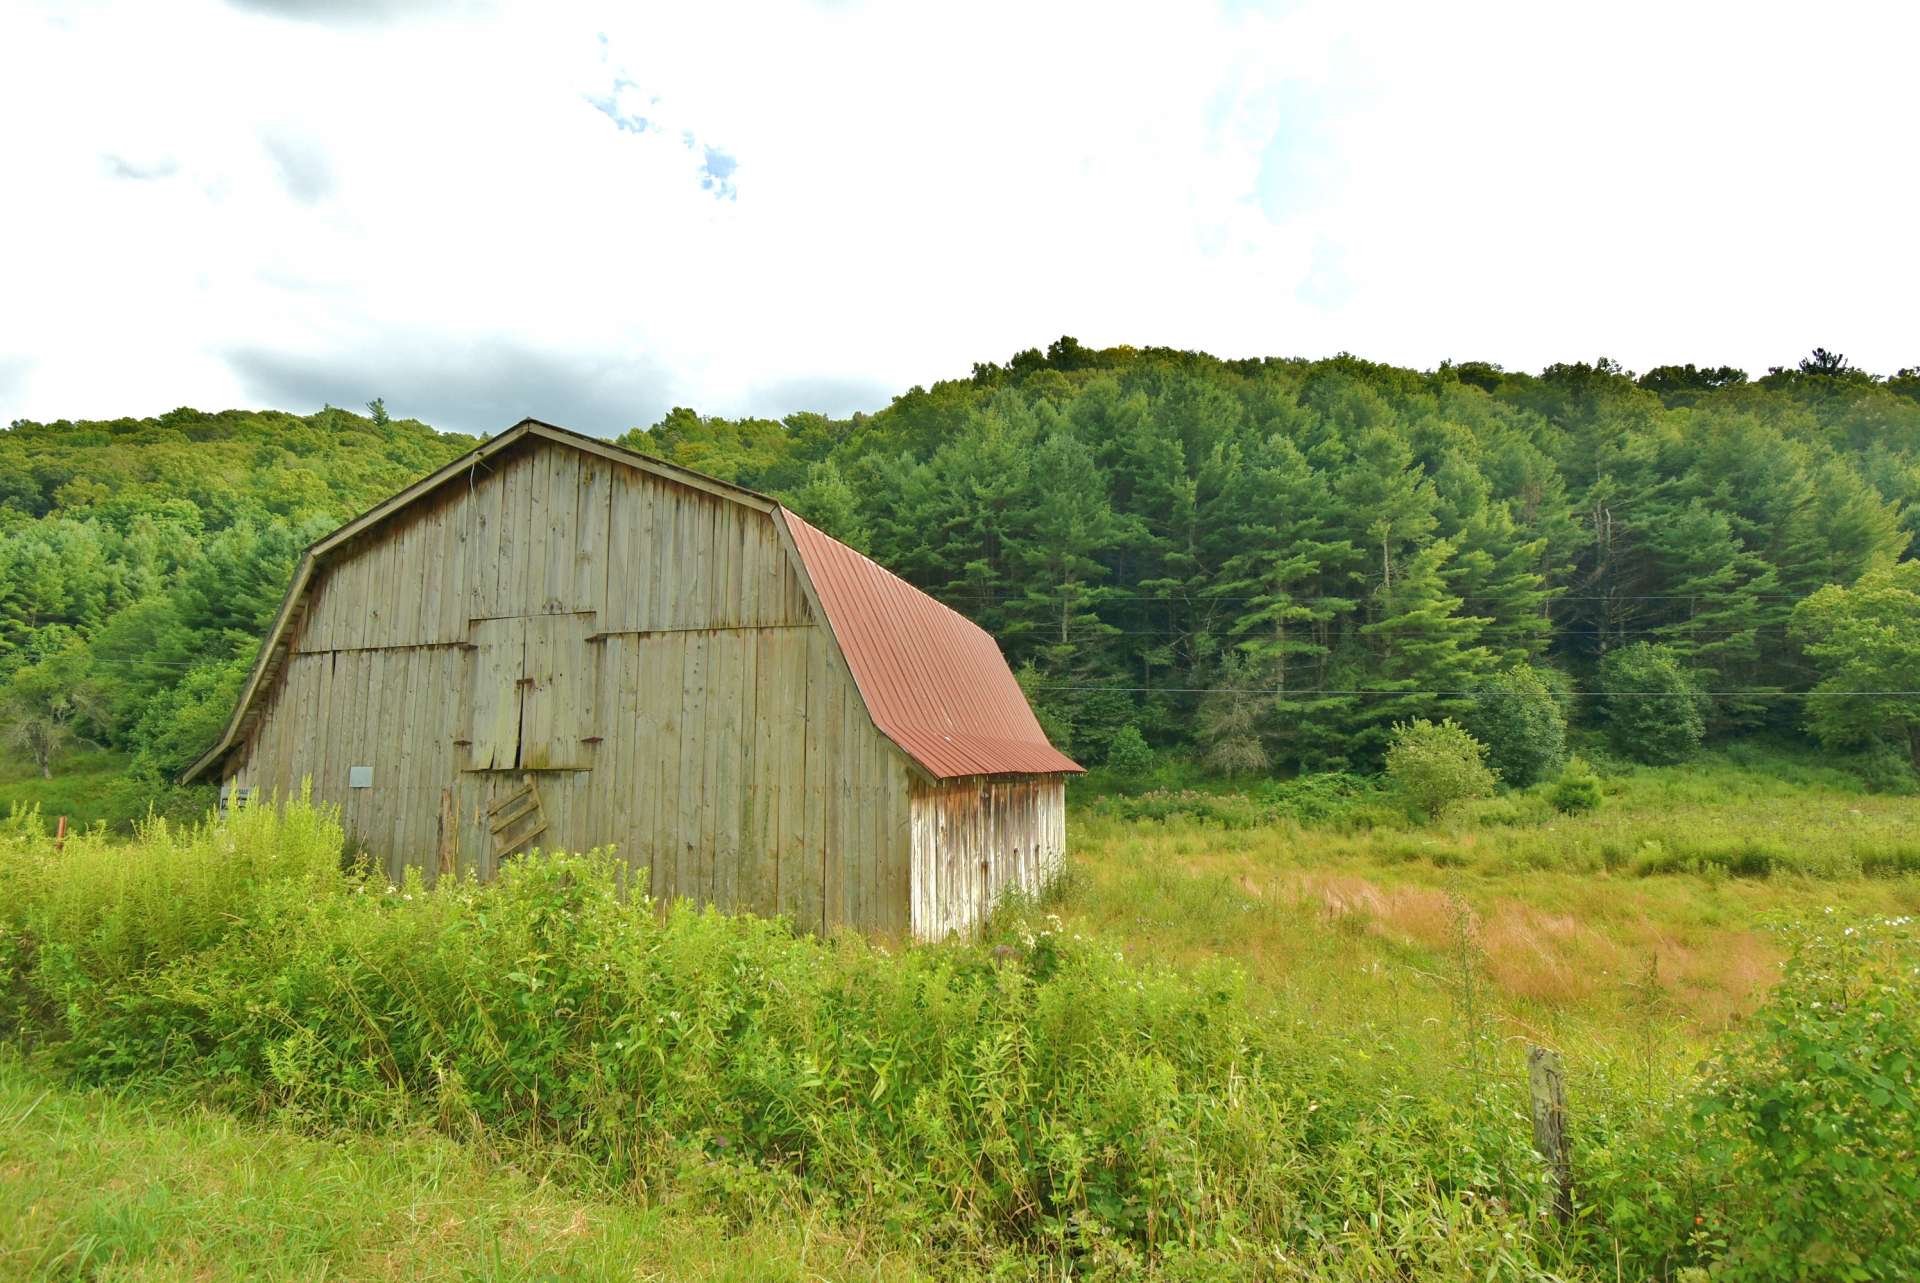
141,560
1265,562
1273,561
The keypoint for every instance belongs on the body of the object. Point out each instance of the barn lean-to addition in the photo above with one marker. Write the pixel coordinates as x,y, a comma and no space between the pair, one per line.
553,642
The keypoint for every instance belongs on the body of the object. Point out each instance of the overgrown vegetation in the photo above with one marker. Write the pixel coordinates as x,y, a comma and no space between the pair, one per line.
1040,1101
1521,720
1813,1112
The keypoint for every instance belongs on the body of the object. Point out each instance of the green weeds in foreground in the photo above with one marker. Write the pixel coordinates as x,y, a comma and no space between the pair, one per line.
1033,1105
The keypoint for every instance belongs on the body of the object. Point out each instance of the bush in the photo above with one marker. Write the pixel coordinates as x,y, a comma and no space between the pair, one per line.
1577,791
1882,768
1652,708
1433,766
1322,797
1329,799
1228,810
1521,721
1128,756
1813,1114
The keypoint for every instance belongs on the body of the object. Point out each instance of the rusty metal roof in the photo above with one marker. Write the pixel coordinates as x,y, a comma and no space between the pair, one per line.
934,681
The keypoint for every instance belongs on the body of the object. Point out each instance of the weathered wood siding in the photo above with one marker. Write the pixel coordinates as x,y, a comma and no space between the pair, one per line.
976,837
646,650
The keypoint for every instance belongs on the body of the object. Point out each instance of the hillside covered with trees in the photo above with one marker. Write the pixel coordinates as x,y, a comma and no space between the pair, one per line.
141,561
1270,562
1262,563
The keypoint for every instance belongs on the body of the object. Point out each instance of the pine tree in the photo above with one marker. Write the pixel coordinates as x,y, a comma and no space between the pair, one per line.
1718,599
1054,544
1291,575
1427,655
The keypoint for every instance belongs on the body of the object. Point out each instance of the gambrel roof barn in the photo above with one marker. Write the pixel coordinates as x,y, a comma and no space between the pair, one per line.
554,642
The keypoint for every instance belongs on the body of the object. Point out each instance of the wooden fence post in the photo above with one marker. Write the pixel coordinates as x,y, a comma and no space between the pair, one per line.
60,835
1548,1084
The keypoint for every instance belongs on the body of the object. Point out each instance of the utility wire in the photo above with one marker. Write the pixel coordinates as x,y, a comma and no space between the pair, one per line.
1468,694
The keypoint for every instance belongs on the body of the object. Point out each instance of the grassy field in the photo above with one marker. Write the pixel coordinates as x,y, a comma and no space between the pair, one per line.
89,786
95,1185
1220,1049
1660,901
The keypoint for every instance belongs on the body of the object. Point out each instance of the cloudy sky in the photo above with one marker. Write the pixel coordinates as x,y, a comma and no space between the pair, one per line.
592,212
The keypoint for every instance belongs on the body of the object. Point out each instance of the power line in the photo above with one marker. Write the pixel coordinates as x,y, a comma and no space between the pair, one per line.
1755,692
1203,596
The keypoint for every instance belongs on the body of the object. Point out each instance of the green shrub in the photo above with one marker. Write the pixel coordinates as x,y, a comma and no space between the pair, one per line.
1228,810
1510,810
1813,1114
1127,753
1322,797
1651,706
1431,766
1331,798
1883,768
1523,724
1577,791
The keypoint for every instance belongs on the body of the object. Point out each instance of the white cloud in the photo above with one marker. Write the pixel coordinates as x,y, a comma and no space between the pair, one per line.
223,204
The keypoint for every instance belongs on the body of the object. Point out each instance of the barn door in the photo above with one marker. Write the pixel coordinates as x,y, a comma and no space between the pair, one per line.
494,693
557,724
530,693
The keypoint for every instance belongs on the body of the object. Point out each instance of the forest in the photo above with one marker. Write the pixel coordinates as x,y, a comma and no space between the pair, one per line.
1260,566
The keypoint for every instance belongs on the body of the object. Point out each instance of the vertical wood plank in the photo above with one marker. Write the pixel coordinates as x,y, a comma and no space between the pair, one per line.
509,542
615,575
820,793
759,850
670,848
532,597
590,550
794,885
705,746
483,571
517,592
457,534
422,581
724,778
563,525
643,524
623,797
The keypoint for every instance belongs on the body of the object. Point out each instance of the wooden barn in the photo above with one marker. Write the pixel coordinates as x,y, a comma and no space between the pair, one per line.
553,642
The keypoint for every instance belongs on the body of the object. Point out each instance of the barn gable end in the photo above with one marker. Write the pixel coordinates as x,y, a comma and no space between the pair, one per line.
556,643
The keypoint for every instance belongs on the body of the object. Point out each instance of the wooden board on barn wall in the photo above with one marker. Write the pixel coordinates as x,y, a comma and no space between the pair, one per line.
400,585
558,727
494,693
974,839
679,558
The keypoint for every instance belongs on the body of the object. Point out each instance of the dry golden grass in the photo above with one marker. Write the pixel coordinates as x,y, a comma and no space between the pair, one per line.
1567,919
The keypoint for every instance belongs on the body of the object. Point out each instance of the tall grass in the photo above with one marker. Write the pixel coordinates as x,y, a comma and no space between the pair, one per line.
1037,1104
1036,1099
